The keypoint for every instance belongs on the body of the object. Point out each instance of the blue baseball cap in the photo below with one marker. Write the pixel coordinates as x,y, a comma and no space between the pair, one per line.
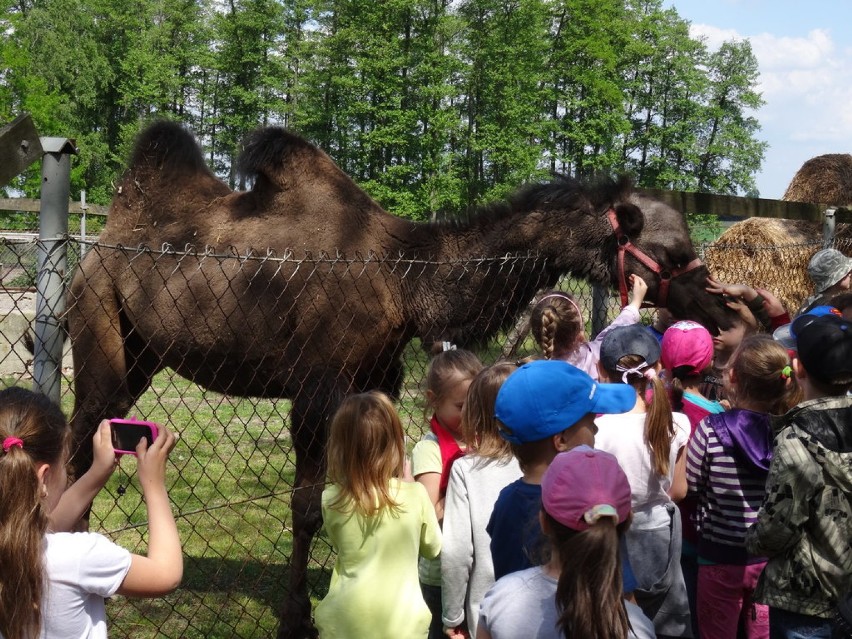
544,397
786,334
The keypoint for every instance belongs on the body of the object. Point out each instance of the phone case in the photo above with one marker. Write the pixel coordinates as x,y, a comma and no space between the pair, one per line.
152,426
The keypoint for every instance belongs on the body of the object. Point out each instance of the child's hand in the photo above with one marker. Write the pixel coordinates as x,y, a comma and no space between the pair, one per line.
739,291
772,304
639,290
152,461
459,632
105,459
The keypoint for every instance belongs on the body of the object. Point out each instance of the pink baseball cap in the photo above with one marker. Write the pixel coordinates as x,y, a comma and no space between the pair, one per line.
582,485
689,344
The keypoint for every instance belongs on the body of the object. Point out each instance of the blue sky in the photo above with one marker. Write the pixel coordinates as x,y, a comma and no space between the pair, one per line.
805,58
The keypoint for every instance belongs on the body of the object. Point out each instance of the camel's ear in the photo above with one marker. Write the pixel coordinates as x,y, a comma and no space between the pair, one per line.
630,219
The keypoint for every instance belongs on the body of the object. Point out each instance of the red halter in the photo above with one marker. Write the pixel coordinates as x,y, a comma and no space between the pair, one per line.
665,276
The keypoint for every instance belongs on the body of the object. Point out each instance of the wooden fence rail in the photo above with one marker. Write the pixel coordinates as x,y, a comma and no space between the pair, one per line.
725,206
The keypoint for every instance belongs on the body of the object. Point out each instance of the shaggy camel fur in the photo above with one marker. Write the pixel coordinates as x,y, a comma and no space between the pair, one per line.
311,328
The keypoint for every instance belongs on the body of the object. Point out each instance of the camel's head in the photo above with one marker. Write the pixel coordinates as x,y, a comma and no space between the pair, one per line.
653,242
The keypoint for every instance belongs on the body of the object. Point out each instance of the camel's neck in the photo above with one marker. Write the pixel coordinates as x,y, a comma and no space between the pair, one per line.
480,276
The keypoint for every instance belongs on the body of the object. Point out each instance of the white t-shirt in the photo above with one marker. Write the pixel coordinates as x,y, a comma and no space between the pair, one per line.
523,604
82,569
624,437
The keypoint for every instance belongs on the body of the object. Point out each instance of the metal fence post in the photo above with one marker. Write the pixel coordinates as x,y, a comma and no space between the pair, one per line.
52,265
828,228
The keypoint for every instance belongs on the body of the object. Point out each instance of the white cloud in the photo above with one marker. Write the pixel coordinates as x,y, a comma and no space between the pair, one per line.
806,82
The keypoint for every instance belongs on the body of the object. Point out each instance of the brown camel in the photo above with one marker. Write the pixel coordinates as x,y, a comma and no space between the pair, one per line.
313,328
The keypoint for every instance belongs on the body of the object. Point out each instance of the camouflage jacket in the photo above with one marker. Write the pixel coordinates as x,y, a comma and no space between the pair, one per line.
805,523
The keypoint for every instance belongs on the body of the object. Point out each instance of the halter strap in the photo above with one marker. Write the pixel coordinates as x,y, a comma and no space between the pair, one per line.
664,275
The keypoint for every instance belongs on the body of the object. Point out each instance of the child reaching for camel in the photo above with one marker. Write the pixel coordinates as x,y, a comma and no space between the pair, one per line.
448,378
559,328
52,583
378,525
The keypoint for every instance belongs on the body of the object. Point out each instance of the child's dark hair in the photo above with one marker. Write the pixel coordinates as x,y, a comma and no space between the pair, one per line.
556,323
841,301
33,431
478,424
659,423
763,375
589,594
443,371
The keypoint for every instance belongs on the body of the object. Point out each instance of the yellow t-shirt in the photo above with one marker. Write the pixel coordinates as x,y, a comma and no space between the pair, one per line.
374,589
426,458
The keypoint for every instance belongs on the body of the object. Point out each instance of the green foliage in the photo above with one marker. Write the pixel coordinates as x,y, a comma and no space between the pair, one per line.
432,106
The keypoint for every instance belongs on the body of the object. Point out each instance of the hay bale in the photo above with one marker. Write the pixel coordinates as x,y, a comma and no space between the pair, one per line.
824,179
767,253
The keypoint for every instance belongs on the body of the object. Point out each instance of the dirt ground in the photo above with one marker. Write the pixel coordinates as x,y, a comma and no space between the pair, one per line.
17,312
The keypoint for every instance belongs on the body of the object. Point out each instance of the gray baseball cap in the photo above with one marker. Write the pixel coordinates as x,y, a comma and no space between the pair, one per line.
827,267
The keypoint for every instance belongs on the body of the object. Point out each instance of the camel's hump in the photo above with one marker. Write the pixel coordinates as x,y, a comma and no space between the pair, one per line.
166,145
267,150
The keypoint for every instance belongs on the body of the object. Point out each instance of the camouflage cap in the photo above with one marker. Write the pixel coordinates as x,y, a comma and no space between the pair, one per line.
828,267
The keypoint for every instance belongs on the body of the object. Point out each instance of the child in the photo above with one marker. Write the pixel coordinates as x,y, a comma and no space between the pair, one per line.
830,271
53,584
805,523
663,318
558,327
649,442
475,482
585,510
727,463
686,353
377,524
544,407
447,381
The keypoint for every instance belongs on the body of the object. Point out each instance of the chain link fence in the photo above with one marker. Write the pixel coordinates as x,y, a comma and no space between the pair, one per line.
231,477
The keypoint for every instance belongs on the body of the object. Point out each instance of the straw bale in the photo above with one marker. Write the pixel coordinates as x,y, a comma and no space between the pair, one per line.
768,253
824,179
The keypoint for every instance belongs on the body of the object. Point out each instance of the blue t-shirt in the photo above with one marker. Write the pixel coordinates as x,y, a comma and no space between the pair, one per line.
514,528
516,537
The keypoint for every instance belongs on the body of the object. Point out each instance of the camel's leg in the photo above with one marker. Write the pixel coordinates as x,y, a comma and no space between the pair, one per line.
312,408
107,380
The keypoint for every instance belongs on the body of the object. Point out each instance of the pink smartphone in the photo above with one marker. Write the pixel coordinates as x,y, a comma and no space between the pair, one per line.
127,433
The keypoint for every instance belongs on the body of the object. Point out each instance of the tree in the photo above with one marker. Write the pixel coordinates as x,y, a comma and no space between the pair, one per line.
664,85
503,97
729,153
584,85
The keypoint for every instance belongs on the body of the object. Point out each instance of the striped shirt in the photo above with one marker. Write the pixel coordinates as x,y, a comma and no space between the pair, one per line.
730,493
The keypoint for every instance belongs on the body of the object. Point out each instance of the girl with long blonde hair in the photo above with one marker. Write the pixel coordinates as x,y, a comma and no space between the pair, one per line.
378,524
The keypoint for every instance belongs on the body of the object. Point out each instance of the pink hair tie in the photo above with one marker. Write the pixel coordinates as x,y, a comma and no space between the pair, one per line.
12,441
650,374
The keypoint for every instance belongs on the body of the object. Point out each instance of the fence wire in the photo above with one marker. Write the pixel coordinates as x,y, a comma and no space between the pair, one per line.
231,477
